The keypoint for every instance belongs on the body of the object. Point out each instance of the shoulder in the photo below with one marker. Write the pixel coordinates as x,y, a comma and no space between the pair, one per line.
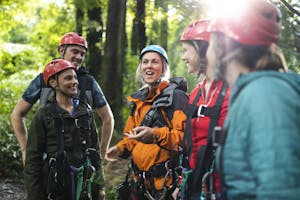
38,80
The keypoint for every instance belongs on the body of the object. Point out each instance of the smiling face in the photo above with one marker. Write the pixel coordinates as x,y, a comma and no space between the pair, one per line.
191,58
151,67
66,84
73,53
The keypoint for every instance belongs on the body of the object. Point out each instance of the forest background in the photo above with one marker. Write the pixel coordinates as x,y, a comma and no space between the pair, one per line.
116,31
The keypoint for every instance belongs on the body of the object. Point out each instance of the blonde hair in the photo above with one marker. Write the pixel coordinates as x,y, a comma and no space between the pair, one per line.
255,57
273,59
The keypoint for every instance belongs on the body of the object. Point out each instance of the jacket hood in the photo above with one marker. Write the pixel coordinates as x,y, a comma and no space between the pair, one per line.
291,78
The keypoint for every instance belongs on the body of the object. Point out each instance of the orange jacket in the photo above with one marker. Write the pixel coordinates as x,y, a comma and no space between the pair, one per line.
146,155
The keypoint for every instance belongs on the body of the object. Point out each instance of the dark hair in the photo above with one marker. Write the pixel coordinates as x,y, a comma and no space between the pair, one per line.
200,45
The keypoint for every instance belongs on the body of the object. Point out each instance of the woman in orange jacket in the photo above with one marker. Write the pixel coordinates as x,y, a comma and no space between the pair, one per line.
155,128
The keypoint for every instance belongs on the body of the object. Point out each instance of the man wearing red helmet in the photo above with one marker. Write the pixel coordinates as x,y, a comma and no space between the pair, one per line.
259,155
72,47
61,141
209,103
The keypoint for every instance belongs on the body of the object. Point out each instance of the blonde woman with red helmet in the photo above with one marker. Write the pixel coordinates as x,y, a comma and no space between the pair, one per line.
259,155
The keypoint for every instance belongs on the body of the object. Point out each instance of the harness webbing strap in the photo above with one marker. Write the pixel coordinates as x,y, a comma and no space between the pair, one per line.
76,170
207,158
79,177
85,87
188,133
58,122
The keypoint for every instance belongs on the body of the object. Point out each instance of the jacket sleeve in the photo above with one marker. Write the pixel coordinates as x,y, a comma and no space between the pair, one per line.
34,158
171,138
125,145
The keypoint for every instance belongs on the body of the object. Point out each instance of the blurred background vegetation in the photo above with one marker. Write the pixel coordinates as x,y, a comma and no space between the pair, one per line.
116,31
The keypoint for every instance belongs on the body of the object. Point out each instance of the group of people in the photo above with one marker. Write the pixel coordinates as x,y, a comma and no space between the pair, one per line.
235,136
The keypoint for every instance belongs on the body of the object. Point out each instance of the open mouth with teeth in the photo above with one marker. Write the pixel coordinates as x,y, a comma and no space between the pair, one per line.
149,74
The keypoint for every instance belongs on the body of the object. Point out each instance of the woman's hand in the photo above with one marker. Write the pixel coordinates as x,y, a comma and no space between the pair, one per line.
141,133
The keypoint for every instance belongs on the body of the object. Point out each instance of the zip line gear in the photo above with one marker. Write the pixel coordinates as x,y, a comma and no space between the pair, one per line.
81,166
206,154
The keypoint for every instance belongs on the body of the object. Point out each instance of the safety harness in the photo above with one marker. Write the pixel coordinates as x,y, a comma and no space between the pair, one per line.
170,168
80,171
195,182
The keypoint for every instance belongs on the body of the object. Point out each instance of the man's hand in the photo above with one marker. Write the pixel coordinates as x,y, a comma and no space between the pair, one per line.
112,153
101,194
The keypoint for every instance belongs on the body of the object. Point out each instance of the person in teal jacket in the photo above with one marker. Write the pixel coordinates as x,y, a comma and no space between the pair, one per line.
259,153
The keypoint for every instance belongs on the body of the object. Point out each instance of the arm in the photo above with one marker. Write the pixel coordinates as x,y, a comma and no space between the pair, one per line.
108,122
17,120
30,96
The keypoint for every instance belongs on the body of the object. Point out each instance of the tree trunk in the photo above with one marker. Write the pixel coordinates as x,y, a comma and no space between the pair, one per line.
114,59
79,7
163,36
138,39
94,37
161,25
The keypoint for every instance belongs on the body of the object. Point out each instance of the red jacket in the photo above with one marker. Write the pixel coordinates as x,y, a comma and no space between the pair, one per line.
200,125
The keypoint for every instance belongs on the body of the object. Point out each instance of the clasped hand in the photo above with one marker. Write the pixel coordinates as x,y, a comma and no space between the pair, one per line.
141,133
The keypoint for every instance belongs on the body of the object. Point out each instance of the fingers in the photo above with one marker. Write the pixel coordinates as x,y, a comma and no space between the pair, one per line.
112,153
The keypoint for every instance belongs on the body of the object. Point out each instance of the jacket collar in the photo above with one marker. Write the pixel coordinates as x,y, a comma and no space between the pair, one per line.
145,94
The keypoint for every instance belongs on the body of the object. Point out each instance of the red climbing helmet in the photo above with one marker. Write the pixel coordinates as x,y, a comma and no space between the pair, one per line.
258,24
196,31
73,38
56,66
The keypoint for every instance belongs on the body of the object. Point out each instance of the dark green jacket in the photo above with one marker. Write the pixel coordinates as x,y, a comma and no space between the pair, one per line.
261,156
42,144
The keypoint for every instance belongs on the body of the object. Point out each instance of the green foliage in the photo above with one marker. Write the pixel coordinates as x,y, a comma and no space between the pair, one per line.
30,34
16,58
10,90
289,34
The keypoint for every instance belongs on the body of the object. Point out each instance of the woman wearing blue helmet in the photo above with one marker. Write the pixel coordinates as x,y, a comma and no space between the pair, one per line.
155,127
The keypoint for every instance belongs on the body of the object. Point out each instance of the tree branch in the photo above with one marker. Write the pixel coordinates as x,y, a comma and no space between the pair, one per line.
290,8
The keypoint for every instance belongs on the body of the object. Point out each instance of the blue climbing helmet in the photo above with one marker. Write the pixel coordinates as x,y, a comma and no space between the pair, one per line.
155,48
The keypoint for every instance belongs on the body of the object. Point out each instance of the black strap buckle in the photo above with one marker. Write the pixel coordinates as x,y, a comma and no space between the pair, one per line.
201,110
217,136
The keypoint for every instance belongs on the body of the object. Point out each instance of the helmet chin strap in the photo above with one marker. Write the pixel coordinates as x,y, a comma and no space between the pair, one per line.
202,67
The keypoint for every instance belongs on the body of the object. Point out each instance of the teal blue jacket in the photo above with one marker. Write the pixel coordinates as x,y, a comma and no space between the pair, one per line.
261,155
